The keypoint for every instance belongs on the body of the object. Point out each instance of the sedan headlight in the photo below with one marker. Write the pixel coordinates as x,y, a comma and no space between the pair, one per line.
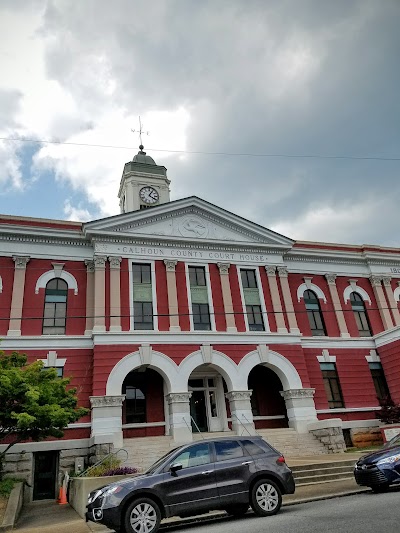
112,490
389,460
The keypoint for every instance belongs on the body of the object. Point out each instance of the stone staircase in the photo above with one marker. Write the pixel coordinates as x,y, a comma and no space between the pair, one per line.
314,473
292,444
144,451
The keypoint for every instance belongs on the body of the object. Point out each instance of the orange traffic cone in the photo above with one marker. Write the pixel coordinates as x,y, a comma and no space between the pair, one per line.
62,497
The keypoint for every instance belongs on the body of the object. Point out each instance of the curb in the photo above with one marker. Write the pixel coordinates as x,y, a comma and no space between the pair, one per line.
217,515
13,508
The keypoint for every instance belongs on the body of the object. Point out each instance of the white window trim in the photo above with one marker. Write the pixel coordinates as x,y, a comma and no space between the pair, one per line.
353,287
396,293
1,285
312,287
260,293
52,360
52,274
153,293
373,357
209,295
326,358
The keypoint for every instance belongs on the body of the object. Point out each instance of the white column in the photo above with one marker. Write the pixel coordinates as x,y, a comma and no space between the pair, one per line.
107,420
241,414
300,408
99,293
89,296
276,299
173,310
381,301
227,297
179,416
17,295
287,298
331,279
115,293
392,302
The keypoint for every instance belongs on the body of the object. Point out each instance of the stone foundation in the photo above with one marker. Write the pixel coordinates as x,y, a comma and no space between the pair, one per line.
330,434
365,437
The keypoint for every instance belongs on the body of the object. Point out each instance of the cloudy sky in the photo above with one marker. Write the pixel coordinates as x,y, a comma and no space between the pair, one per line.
233,93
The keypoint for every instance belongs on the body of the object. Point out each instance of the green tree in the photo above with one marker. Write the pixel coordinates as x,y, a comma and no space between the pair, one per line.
34,402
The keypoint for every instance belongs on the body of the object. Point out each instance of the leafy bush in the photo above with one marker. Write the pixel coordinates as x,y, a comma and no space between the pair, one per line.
120,471
389,412
7,485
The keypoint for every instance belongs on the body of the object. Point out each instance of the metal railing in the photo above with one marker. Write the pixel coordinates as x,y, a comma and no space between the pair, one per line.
104,459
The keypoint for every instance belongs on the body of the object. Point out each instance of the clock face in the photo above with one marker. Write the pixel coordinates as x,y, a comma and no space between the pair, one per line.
148,195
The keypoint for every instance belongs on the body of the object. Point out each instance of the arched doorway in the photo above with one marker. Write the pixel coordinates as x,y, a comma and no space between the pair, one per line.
143,412
268,406
207,400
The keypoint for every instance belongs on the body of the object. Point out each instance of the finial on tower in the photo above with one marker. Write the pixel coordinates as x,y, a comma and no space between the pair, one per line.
140,132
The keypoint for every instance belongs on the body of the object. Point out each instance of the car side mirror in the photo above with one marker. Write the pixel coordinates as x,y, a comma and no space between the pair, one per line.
175,467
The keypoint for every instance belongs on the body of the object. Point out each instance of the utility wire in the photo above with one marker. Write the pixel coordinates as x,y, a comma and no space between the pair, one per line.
200,152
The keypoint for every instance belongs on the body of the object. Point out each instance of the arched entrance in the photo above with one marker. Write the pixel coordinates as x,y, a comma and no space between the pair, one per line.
267,405
207,401
143,408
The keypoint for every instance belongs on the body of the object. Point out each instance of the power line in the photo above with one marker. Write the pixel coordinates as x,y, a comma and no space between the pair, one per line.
200,152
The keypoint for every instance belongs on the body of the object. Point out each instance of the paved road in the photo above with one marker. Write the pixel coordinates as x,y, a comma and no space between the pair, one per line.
361,513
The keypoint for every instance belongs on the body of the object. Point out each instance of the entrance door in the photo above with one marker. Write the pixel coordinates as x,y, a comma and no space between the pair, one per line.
198,411
44,478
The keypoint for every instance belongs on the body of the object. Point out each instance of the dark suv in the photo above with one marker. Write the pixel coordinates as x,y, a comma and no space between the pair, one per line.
228,473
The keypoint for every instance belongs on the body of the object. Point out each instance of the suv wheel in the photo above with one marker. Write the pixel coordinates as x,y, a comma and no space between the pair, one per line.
238,510
142,516
266,498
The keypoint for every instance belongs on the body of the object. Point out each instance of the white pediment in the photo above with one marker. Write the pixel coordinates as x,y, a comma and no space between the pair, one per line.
190,219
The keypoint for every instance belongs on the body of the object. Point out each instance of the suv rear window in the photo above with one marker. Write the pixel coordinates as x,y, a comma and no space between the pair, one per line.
252,448
228,449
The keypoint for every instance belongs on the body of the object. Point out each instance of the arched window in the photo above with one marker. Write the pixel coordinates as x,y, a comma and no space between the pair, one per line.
55,307
360,314
314,313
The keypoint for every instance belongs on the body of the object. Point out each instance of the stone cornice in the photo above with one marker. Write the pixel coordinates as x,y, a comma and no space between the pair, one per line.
296,394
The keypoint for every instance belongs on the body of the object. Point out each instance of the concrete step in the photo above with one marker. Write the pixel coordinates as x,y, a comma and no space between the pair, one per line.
290,443
323,472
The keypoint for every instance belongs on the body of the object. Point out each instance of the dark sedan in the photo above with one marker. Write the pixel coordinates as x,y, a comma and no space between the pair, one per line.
230,473
380,469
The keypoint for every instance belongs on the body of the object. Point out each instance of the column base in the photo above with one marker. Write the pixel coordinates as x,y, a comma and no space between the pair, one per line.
282,330
99,329
14,333
175,329
231,329
345,335
115,328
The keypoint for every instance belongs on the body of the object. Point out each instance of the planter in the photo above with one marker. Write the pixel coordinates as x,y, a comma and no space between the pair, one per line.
389,431
79,488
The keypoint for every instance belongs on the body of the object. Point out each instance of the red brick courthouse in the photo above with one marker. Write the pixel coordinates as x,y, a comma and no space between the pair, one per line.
178,317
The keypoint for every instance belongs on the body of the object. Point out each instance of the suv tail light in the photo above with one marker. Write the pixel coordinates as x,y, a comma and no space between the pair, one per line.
281,460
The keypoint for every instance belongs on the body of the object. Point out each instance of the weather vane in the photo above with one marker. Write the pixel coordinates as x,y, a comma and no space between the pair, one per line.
140,132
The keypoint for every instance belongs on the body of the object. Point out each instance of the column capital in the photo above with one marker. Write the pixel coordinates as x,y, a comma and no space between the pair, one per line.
282,271
387,281
89,265
238,395
21,261
107,401
223,268
296,394
178,397
375,281
331,278
115,262
99,262
270,270
170,265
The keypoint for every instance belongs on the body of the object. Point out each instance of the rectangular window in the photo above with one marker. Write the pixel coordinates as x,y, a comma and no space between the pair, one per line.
199,298
254,317
143,318
251,295
201,317
378,377
332,385
54,320
135,399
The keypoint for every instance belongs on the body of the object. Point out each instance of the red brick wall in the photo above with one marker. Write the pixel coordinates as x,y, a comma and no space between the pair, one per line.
218,302
162,296
7,276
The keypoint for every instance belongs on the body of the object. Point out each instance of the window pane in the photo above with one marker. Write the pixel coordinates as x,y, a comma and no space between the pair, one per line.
228,450
252,448
197,455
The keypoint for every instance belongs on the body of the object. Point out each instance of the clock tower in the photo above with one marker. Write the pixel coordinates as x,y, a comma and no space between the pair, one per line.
143,184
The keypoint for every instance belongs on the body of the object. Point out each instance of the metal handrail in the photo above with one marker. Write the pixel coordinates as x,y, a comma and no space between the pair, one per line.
194,422
103,460
241,423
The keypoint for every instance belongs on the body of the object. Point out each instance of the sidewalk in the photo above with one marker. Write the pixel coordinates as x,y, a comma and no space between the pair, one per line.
45,517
